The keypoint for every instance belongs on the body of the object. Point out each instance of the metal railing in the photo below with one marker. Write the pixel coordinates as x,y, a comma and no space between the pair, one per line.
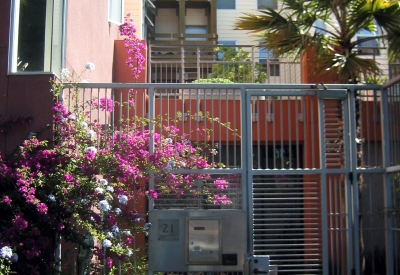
297,153
188,63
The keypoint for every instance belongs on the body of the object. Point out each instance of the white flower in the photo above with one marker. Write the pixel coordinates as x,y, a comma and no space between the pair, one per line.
115,229
51,198
147,226
168,140
129,252
110,189
214,152
170,165
104,205
103,182
92,148
84,201
64,74
91,133
84,124
110,235
90,66
118,211
99,190
106,243
123,199
6,252
126,232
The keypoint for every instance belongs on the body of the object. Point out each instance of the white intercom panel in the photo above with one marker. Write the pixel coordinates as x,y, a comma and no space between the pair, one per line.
203,244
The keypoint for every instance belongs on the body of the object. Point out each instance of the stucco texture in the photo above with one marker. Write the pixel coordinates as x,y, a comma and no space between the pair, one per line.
90,38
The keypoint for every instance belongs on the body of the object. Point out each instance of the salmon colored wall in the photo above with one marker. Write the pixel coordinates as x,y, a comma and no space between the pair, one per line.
122,74
90,38
309,73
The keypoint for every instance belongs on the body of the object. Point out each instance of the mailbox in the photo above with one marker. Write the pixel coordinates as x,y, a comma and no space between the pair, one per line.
203,241
194,241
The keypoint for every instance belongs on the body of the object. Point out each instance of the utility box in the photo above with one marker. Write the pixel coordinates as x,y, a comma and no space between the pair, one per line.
203,238
184,241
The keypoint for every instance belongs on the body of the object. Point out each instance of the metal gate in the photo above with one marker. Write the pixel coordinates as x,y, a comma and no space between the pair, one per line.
300,193
307,172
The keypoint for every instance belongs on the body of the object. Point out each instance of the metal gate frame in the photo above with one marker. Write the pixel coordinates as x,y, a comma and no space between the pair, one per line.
323,94
389,93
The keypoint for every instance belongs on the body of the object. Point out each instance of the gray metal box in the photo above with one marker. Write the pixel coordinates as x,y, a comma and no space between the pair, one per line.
201,240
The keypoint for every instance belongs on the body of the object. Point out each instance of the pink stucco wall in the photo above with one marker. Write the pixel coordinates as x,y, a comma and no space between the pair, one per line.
90,38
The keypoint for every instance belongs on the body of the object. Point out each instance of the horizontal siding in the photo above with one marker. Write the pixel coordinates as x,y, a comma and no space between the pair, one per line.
134,7
226,22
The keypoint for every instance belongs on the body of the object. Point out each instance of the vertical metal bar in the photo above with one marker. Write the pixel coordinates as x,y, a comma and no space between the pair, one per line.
151,141
253,64
354,179
324,208
348,191
389,236
247,164
290,133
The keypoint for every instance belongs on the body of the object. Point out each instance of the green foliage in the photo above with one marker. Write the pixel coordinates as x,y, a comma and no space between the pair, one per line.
213,80
292,30
239,69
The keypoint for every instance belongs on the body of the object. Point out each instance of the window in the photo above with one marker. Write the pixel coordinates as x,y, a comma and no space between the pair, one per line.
269,62
115,11
36,36
196,30
262,4
220,55
368,47
226,4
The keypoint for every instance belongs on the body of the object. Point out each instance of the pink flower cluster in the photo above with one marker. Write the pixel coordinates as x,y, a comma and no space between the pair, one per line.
134,47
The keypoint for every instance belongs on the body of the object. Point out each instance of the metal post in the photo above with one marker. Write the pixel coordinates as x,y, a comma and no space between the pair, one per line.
324,208
389,238
354,178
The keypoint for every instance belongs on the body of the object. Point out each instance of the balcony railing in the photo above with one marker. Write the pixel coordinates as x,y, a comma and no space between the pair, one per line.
187,63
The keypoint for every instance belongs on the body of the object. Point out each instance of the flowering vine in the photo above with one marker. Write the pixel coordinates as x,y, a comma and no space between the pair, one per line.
83,185
134,47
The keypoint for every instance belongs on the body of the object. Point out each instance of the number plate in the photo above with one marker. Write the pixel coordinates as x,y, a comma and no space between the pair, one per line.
168,229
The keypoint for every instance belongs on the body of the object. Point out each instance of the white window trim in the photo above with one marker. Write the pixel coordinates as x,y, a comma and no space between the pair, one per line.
113,20
13,39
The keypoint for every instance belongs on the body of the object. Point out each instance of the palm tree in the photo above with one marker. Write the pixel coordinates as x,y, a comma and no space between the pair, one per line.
296,27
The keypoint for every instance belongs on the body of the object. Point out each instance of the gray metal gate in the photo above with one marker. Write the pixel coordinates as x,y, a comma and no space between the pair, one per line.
300,192
309,171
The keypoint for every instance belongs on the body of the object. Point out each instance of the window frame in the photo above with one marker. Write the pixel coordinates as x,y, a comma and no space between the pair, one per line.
261,6
224,43
219,5
203,29
116,18
54,38
363,33
265,58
